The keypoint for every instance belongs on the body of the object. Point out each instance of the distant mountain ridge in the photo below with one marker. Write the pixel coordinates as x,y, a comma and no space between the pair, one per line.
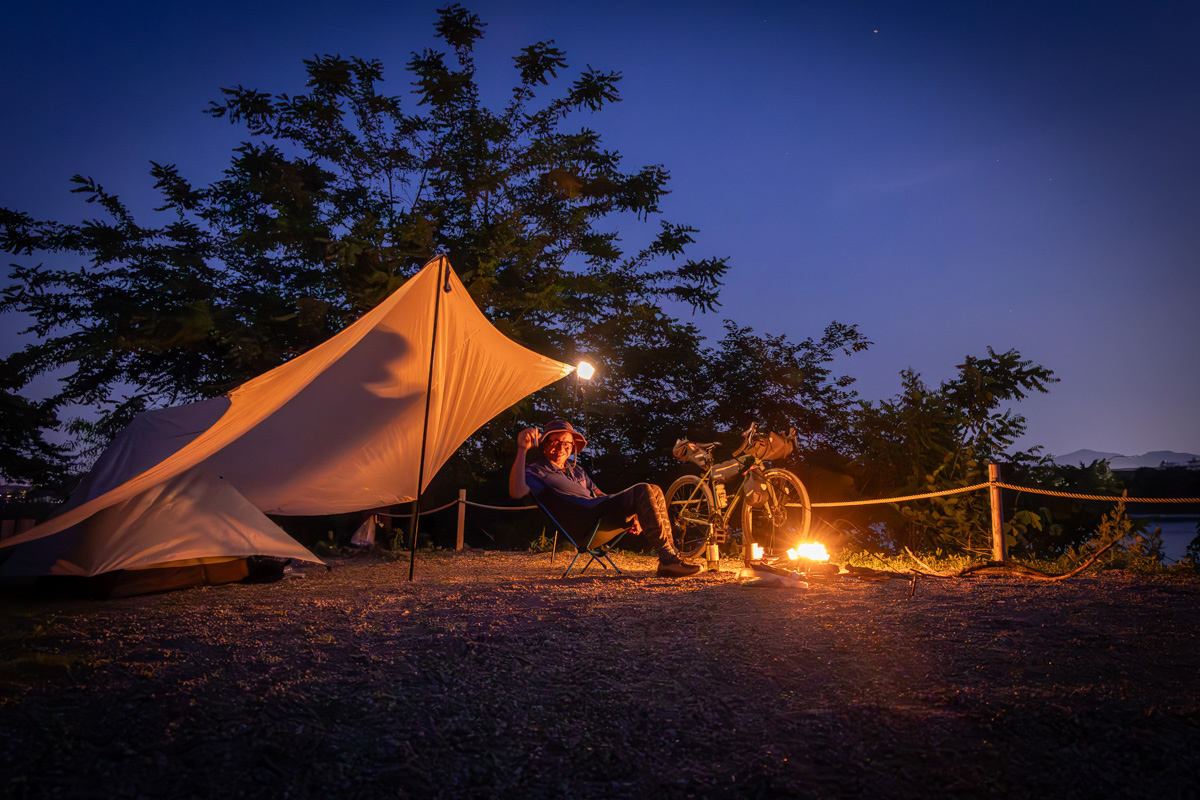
1153,459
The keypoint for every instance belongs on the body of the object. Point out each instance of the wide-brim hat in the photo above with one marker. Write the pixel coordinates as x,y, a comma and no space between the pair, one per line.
559,426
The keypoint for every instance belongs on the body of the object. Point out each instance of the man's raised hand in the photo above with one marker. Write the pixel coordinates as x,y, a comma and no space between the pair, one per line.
530,437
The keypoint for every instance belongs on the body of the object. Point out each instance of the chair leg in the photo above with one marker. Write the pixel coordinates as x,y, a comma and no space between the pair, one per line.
573,560
599,557
610,561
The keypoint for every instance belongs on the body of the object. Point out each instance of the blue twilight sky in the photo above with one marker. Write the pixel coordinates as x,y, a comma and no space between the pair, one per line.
947,175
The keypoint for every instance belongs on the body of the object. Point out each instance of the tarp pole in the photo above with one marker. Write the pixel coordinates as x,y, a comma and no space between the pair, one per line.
416,511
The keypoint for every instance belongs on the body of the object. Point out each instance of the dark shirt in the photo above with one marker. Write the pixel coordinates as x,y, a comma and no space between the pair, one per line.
570,483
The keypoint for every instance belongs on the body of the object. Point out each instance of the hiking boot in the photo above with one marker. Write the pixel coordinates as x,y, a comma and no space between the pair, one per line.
676,569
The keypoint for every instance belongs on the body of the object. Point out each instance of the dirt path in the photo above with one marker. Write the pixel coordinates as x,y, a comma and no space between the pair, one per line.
491,677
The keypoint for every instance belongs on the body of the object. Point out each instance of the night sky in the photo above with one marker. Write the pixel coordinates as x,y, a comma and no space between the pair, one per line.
948,176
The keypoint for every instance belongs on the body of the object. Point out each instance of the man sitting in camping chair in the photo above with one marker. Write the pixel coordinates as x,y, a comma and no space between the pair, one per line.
567,492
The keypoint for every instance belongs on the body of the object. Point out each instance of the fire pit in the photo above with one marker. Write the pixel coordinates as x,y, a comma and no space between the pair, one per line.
808,559
811,558
808,551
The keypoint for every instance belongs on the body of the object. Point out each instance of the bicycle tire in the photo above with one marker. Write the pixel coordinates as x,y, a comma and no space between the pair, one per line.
690,509
786,518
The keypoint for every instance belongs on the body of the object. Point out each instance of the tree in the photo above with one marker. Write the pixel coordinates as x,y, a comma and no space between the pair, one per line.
335,198
25,454
783,384
1064,522
341,191
931,440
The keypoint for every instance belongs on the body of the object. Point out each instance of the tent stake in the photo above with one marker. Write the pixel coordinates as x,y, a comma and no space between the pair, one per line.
414,525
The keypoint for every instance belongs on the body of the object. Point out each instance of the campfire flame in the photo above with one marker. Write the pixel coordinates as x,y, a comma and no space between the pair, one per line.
813,551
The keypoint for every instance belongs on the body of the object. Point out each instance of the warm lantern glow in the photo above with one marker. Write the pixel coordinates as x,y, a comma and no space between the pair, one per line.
813,551
756,552
585,370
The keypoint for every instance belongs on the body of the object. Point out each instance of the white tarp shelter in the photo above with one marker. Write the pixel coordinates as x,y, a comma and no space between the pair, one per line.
336,429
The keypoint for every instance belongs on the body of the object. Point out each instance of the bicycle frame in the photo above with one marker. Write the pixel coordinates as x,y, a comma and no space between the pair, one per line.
701,509
719,490
721,504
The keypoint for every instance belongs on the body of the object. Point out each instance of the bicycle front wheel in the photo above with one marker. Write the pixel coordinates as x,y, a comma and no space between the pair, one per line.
690,508
782,521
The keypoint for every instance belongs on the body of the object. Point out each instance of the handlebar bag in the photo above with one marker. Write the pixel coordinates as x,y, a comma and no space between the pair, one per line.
772,446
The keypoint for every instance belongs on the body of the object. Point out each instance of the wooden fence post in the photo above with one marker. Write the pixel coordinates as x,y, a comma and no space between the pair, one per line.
999,548
462,518
389,532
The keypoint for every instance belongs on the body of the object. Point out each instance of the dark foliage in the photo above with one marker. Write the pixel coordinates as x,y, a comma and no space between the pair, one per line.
342,190
928,439
339,193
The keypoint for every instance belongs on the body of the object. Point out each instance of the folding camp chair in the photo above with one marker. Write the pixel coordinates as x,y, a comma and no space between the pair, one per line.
595,543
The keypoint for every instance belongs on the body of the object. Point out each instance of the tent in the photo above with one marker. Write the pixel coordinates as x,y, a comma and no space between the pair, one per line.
337,429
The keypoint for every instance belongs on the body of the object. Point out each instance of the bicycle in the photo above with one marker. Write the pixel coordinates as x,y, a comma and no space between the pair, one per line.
772,500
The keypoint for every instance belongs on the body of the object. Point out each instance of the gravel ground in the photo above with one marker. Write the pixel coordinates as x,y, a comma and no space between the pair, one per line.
490,676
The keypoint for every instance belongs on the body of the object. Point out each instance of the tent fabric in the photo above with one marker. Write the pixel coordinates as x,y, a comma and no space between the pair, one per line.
338,428
160,578
151,437
165,577
187,520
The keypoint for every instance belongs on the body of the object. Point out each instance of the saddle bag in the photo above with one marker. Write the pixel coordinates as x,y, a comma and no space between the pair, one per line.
688,451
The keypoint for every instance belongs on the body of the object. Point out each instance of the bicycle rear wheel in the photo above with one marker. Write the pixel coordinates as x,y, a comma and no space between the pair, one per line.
690,509
783,521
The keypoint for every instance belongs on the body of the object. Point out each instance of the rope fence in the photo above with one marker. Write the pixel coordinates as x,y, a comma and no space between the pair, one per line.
1002,485
1075,496
994,485
462,502
895,499
1000,550
470,503
877,501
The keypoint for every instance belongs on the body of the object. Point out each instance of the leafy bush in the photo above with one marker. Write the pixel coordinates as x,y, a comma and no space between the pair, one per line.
928,439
